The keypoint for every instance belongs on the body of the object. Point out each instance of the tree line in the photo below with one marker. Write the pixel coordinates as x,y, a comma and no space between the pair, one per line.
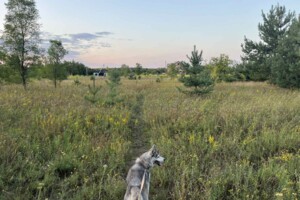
275,58
22,58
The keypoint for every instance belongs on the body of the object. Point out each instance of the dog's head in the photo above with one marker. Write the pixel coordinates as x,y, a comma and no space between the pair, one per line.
152,157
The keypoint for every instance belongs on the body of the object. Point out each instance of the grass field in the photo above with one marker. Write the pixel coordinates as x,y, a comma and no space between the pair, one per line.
242,141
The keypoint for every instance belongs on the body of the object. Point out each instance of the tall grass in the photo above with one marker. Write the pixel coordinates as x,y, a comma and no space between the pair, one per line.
239,142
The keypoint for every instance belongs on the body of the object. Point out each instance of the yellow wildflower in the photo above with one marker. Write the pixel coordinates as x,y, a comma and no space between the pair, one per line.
211,140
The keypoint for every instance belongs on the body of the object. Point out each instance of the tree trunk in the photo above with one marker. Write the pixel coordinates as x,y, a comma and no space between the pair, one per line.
54,74
23,75
24,82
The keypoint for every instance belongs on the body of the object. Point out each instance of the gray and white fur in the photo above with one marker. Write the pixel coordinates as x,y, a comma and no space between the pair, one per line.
138,177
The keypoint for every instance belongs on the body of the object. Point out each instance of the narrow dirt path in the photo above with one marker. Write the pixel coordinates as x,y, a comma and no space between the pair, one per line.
138,135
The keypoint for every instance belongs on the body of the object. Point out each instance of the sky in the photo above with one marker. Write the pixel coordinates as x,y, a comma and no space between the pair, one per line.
109,33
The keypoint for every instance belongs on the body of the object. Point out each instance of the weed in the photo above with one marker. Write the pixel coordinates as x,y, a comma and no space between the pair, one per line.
241,141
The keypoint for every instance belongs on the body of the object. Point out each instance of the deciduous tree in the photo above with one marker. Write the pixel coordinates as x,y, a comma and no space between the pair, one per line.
172,70
138,69
220,67
56,52
125,70
21,35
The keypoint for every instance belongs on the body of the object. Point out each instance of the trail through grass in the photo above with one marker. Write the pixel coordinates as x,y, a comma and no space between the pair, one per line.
138,135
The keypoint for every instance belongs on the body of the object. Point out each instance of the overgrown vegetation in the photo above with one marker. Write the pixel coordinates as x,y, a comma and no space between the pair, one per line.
236,143
241,141
223,69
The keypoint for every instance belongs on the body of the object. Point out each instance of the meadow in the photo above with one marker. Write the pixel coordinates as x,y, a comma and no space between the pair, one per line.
242,141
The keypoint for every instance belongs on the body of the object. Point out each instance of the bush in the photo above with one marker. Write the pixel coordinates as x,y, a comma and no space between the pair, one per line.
132,76
9,75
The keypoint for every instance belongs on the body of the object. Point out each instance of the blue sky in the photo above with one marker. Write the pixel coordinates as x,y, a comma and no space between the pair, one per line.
114,32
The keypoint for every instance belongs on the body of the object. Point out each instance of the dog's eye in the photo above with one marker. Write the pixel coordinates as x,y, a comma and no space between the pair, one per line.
155,153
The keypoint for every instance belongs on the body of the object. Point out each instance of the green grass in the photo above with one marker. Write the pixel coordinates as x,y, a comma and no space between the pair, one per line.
242,141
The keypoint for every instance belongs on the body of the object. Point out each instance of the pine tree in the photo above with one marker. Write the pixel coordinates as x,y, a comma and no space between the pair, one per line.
286,63
114,79
258,55
93,92
196,75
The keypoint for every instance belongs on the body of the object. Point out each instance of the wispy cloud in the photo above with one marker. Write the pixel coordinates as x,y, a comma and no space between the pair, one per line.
85,47
83,36
75,38
105,45
79,43
73,54
104,33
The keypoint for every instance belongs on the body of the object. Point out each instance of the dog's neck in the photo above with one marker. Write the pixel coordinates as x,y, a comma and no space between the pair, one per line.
144,164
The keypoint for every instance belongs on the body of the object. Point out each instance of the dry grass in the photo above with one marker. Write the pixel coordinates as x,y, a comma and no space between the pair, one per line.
239,142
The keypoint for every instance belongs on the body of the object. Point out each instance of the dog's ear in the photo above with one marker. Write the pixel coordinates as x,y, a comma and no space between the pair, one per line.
153,150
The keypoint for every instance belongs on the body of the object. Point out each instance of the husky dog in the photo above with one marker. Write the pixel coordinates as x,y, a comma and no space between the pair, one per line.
138,177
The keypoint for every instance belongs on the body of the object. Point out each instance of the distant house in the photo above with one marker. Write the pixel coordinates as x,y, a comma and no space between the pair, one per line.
96,74
102,72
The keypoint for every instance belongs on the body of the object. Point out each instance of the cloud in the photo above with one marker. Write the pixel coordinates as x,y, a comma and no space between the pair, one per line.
86,36
75,38
104,33
105,45
79,44
84,46
123,39
73,53
83,36
64,39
